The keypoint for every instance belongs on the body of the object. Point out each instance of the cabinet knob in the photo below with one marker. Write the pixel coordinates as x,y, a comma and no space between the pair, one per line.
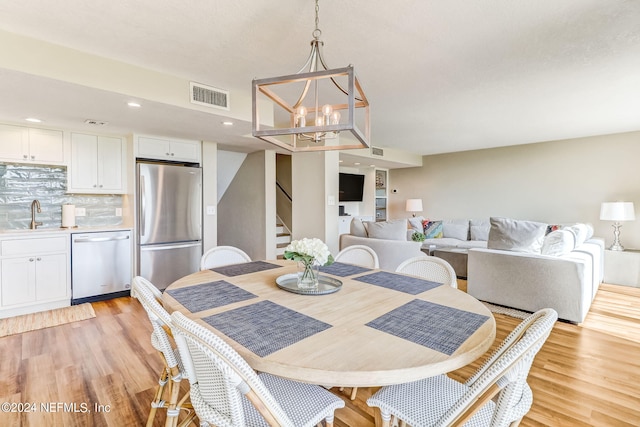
33,157
168,154
24,156
100,185
31,260
38,259
94,185
172,154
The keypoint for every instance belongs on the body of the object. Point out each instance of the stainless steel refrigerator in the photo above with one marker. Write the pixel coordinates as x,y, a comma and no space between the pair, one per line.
169,220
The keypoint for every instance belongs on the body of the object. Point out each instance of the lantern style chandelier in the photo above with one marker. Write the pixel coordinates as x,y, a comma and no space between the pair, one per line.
313,108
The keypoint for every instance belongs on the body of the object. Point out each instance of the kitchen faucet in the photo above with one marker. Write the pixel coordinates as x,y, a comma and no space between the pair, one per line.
35,205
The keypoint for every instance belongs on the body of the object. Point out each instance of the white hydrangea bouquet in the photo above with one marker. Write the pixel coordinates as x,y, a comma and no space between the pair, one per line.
310,255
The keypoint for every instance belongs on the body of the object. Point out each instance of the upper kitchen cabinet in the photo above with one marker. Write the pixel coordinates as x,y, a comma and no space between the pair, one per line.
97,165
168,149
30,145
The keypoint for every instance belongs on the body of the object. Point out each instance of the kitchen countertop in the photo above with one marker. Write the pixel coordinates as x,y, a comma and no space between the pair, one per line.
27,232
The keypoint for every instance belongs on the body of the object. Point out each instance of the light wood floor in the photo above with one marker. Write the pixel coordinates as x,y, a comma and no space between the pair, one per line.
585,375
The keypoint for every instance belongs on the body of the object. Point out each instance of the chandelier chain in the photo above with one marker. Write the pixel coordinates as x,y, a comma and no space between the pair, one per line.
317,33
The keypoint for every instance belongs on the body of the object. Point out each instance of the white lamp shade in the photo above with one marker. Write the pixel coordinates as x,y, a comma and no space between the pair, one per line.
617,211
414,205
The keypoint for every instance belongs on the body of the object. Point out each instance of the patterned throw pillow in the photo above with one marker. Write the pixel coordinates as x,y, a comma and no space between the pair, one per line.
432,229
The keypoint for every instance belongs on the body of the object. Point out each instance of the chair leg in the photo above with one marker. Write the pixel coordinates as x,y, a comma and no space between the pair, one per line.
157,400
386,419
173,409
329,421
515,423
354,390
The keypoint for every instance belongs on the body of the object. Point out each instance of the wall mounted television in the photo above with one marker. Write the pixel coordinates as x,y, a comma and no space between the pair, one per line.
351,187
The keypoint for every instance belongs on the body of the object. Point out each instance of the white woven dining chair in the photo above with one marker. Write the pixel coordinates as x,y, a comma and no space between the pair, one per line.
172,374
360,255
223,255
442,401
225,391
430,268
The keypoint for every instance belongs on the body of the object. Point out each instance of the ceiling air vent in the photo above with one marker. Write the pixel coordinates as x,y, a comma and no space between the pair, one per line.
375,151
95,122
209,96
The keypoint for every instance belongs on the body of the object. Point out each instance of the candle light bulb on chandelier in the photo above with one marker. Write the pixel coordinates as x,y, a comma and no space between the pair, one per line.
335,118
327,110
319,121
301,120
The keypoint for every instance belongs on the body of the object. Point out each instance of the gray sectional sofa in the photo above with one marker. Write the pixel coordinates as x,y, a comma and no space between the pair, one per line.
564,273
514,263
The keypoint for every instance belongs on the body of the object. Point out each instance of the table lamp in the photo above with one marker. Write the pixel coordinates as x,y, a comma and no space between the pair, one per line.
414,205
617,211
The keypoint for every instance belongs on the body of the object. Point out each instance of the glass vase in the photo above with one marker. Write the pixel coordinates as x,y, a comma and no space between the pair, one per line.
308,273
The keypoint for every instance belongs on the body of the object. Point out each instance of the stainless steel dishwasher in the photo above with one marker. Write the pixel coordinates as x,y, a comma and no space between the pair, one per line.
100,265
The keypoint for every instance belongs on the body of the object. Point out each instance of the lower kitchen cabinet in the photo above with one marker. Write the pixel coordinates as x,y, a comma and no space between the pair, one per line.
35,274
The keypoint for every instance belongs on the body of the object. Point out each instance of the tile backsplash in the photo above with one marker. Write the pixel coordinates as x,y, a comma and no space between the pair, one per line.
21,184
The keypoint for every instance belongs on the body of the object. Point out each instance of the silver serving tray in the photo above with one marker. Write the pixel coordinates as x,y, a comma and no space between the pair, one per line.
326,285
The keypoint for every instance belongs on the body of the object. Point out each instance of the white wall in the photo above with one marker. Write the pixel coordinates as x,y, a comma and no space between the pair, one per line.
315,181
209,194
553,182
228,163
246,212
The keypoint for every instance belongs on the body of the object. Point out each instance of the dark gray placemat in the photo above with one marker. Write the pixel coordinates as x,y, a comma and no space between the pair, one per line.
209,295
265,327
399,282
342,269
436,326
244,268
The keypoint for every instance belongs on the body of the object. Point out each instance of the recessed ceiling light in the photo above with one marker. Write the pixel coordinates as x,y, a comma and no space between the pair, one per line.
227,123
373,166
33,120
134,104
357,163
340,161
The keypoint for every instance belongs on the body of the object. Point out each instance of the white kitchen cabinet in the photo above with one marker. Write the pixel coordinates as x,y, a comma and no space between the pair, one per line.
168,149
30,145
97,164
35,274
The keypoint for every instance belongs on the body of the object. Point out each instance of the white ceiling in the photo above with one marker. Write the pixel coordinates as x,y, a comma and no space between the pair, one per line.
441,76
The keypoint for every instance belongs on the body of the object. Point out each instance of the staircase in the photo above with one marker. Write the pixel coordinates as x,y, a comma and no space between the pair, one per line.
283,238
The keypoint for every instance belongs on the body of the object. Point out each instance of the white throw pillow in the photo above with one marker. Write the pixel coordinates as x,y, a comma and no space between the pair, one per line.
416,224
356,228
456,228
389,230
479,229
516,235
558,243
580,231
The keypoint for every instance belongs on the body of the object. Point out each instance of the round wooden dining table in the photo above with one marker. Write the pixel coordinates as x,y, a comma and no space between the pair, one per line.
379,328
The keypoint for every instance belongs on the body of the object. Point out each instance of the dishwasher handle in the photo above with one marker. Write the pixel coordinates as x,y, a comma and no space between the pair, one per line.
99,239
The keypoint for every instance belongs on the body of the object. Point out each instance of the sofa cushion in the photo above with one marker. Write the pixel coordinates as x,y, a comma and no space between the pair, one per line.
479,229
433,229
356,228
389,230
442,242
558,243
516,235
456,228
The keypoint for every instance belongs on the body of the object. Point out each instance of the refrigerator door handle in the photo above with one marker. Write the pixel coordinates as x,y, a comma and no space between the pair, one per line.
168,247
143,204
